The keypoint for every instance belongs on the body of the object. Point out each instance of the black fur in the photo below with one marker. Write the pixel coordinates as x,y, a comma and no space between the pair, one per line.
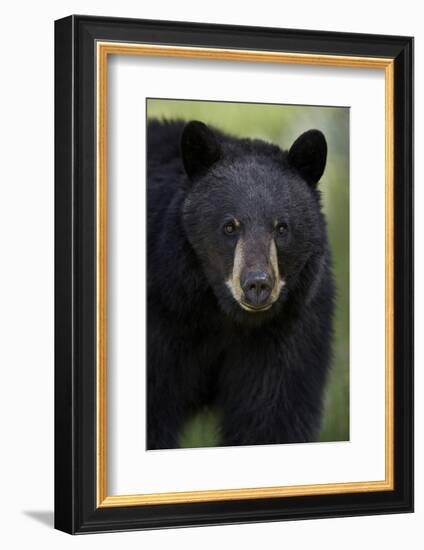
265,371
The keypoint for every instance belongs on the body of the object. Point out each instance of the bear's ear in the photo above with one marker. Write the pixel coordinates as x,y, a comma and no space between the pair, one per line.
308,156
199,147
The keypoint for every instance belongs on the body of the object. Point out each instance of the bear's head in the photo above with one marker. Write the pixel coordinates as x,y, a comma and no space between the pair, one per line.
252,215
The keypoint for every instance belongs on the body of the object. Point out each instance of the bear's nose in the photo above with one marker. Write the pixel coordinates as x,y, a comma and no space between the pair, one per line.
257,287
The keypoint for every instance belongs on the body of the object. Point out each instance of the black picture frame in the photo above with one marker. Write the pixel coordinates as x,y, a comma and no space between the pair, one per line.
76,509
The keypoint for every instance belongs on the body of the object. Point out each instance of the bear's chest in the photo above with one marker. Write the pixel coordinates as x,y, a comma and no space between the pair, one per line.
206,355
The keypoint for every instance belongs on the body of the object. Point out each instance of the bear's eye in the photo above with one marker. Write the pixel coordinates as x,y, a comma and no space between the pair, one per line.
281,228
230,228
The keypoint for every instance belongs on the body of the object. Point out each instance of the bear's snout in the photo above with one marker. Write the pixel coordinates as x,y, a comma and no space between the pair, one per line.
257,287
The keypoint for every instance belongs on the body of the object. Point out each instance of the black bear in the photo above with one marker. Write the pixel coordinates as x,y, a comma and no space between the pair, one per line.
240,289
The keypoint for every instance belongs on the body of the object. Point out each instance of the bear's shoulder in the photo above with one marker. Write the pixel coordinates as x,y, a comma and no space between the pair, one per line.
163,140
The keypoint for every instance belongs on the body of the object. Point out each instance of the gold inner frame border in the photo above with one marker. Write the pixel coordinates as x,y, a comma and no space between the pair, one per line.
103,50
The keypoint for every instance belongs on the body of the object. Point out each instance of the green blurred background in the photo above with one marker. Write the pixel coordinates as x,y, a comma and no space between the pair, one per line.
282,124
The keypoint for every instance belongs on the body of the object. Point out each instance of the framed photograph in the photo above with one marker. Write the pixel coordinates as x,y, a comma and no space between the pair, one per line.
234,274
